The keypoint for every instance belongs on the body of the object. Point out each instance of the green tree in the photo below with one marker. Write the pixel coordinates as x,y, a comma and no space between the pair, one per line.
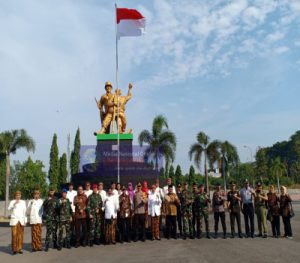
203,148
162,173
161,141
2,179
75,155
29,176
171,172
295,171
191,175
63,172
229,157
261,170
10,142
53,173
178,174
277,170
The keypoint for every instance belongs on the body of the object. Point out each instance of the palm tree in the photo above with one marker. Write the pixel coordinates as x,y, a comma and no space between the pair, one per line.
10,142
277,169
204,148
161,141
228,157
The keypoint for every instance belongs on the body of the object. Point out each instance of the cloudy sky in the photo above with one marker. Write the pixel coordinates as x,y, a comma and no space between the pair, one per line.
228,68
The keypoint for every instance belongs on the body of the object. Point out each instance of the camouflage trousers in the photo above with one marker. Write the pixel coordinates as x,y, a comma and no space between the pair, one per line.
199,217
187,224
95,228
64,233
51,231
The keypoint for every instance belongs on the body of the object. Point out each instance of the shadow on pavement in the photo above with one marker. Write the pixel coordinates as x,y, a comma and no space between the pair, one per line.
7,249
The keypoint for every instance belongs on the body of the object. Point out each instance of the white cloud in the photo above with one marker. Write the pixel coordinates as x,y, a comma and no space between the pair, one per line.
274,37
281,49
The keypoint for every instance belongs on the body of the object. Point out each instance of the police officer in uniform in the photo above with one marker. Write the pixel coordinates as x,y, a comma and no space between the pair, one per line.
260,201
234,207
219,210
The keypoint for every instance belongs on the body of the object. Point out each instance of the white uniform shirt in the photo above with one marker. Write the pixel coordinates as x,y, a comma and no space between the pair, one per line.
111,207
154,204
70,196
88,192
35,211
18,212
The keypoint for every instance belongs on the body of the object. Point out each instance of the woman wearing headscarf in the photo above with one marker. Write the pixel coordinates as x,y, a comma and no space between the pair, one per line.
285,210
273,211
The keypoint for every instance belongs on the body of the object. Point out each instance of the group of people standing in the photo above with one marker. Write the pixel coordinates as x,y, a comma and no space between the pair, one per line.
93,216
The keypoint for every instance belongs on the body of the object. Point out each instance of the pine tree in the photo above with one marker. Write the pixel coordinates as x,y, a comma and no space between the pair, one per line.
178,174
192,175
53,173
75,155
63,172
162,173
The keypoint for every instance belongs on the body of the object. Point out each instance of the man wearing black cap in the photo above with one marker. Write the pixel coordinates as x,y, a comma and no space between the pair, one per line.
179,215
234,207
219,210
125,216
64,221
139,201
247,196
170,208
80,202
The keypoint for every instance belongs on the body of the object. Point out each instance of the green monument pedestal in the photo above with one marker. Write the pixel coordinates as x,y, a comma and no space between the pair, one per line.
108,137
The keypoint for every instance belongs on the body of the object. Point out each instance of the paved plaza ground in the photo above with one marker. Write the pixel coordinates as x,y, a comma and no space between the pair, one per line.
203,250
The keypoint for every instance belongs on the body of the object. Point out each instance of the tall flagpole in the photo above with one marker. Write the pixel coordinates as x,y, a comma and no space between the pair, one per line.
117,83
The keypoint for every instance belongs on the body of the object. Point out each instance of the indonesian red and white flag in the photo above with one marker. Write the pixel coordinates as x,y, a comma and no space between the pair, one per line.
130,23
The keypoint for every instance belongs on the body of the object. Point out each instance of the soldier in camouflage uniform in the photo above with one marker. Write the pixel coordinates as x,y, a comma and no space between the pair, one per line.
201,201
50,217
94,206
186,200
65,219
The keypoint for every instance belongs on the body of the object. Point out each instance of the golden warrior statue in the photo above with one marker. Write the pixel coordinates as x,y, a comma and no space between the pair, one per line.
108,106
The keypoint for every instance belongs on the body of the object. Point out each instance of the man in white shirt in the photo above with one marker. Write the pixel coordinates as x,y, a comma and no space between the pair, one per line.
111,204
88,191
18,220
71,195
154,209
247,197
35,213
166,188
